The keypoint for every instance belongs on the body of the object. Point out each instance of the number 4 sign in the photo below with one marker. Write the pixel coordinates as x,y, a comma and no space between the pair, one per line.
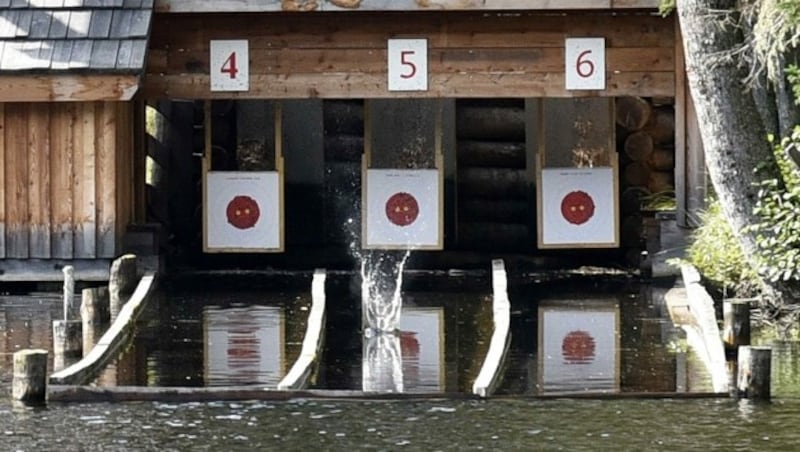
408,64
585,63
229,65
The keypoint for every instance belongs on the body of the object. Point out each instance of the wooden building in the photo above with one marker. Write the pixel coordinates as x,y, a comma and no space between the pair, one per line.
77,78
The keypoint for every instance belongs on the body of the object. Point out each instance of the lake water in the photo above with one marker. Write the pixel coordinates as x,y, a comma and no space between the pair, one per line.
560,345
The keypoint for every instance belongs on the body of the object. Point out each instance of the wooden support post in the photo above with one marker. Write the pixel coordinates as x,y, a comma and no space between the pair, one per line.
736,325
30,376
67,343
755,368
121,283
94,316
69,292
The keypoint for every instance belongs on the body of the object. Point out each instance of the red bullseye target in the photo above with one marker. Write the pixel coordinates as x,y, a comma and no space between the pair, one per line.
243,212
402,209
578,347
577,207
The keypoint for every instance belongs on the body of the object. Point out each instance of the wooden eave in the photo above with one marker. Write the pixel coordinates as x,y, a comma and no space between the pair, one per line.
55,87
223,6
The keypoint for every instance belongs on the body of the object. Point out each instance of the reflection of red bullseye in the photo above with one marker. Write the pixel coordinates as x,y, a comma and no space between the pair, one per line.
578,347
577,207
243,212
402,209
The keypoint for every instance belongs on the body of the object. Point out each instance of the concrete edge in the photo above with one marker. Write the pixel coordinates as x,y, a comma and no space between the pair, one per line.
298,375
486,381
701,306
108,345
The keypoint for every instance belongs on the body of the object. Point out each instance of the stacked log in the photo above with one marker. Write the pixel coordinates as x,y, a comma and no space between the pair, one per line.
343,123
646,145
492,187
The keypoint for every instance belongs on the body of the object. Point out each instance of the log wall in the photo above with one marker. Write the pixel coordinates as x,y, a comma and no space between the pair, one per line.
66,179
470,54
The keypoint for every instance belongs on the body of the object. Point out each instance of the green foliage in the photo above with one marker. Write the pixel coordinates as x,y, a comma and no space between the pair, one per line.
778,206
666,7
718,256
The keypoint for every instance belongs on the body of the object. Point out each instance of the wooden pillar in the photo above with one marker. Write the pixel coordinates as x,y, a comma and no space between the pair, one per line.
69,292
94,316
736,324
121,283
755,368
30,376
67,343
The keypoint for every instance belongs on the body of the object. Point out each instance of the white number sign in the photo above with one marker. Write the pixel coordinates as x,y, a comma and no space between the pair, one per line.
408,64
229,65
585,63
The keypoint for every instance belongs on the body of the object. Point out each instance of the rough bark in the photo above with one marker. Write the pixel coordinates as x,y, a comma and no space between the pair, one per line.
732,129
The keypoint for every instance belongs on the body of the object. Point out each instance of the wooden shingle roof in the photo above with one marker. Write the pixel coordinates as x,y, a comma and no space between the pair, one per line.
65,36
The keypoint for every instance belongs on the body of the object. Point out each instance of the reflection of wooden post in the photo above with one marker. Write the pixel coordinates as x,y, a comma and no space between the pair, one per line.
121,283
94,316
755,367
736,324
67,343
30,376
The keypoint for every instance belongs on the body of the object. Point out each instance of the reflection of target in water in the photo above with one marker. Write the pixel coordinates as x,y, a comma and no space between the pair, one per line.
243,212
402,209
577,207
578,347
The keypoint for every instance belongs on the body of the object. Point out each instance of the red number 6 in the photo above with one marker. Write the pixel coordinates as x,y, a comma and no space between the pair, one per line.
412,68
584,67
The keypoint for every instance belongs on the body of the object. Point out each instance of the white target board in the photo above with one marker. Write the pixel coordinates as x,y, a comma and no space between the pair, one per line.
229,65
407,64
243,211
403,209
585,63
578,349
578,208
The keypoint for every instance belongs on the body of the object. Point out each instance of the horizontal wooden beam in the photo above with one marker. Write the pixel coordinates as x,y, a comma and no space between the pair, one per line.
67,88
204,6
20,270
361,85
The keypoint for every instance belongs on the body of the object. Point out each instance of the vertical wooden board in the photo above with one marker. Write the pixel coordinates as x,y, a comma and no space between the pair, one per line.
127,183
83,182
3,188
106,177
16,139
39,183
62,122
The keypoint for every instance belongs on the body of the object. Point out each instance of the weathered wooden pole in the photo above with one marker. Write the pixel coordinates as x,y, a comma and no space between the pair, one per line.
755,368
67,343
94,316
736,325
121,283
69,291
29,383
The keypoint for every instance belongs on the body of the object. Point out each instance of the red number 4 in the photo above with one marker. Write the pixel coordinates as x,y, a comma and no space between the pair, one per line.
229,66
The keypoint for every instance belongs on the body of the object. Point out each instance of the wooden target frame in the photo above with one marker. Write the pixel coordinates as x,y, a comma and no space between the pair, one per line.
541,166
279,170
367,163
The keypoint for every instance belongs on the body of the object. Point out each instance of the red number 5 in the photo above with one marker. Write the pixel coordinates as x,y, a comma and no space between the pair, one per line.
584,67
412,68
229,66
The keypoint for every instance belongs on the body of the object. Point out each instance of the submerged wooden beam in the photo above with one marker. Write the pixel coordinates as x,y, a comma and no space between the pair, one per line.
489,374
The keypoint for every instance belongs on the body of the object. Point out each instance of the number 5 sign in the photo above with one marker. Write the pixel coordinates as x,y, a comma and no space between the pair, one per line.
229,64
408,64
585,63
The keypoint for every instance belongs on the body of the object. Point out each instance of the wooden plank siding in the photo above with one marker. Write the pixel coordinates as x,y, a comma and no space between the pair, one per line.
470,54
64,165
189,6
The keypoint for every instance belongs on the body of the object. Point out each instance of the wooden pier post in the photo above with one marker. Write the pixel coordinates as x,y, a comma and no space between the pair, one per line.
736,325
29,383
67,343
755,368
121,283
69,292
94,316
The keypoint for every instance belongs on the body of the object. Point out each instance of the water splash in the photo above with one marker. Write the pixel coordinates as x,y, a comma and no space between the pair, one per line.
382,364
381,290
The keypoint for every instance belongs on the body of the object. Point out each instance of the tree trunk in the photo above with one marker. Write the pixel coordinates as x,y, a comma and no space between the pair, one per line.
732,130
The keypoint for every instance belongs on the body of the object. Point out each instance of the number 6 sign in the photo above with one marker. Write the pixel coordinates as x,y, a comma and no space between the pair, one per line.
229,64
585,63
408,64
